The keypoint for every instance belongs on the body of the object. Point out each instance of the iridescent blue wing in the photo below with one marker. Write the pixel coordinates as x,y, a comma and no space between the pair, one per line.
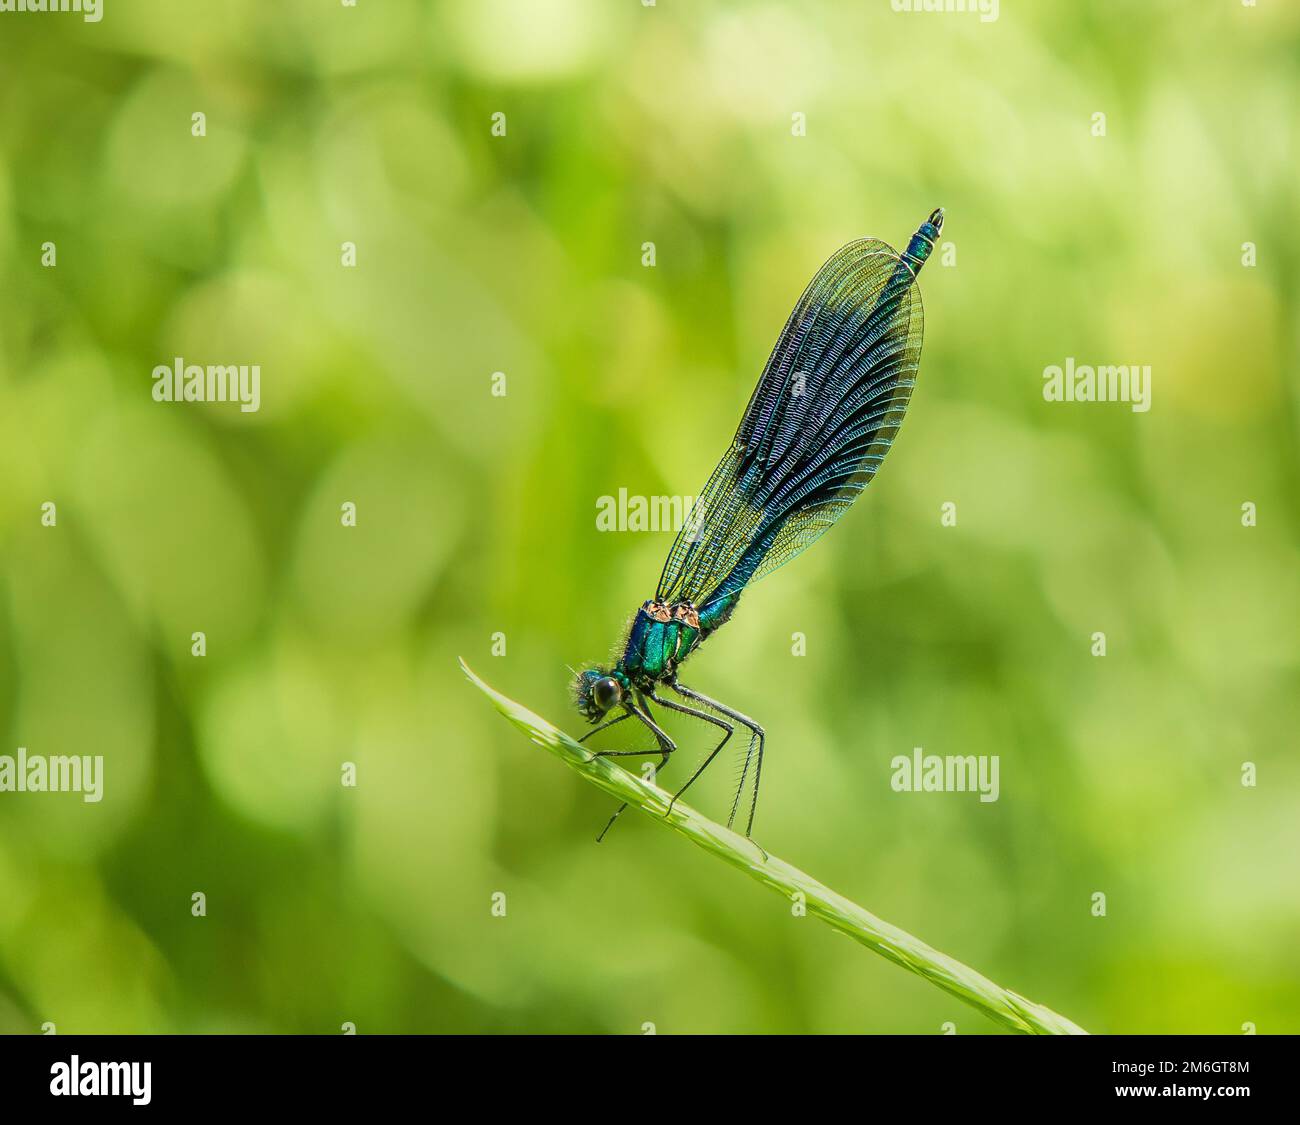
816,429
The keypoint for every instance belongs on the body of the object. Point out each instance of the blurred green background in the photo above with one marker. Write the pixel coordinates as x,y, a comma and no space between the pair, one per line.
522,254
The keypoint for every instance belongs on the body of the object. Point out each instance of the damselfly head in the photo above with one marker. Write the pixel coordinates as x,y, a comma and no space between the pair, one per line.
596,691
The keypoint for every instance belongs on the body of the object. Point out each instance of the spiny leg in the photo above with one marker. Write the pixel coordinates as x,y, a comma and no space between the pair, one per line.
758,736
740,785
726,726
666,747
605,726
630,711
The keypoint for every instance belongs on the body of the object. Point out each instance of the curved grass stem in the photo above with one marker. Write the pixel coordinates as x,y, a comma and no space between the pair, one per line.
1007,1008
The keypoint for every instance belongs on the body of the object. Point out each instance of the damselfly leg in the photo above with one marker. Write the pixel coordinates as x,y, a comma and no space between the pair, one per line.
727,728
641,710
605,726
755,751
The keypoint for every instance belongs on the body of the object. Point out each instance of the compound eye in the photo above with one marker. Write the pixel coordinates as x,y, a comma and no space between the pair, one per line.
606,693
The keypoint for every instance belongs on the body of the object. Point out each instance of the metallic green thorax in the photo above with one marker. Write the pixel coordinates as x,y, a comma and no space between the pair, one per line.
663,636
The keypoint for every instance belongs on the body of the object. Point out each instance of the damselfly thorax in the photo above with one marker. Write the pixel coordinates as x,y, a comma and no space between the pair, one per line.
664,634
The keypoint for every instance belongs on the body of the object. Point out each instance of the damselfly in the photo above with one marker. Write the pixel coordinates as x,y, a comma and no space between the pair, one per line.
816,429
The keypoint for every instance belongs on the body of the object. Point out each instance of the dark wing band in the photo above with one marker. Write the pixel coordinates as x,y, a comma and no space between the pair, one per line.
816,429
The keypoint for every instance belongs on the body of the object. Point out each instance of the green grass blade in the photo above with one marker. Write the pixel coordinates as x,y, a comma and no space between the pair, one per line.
1004,1007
